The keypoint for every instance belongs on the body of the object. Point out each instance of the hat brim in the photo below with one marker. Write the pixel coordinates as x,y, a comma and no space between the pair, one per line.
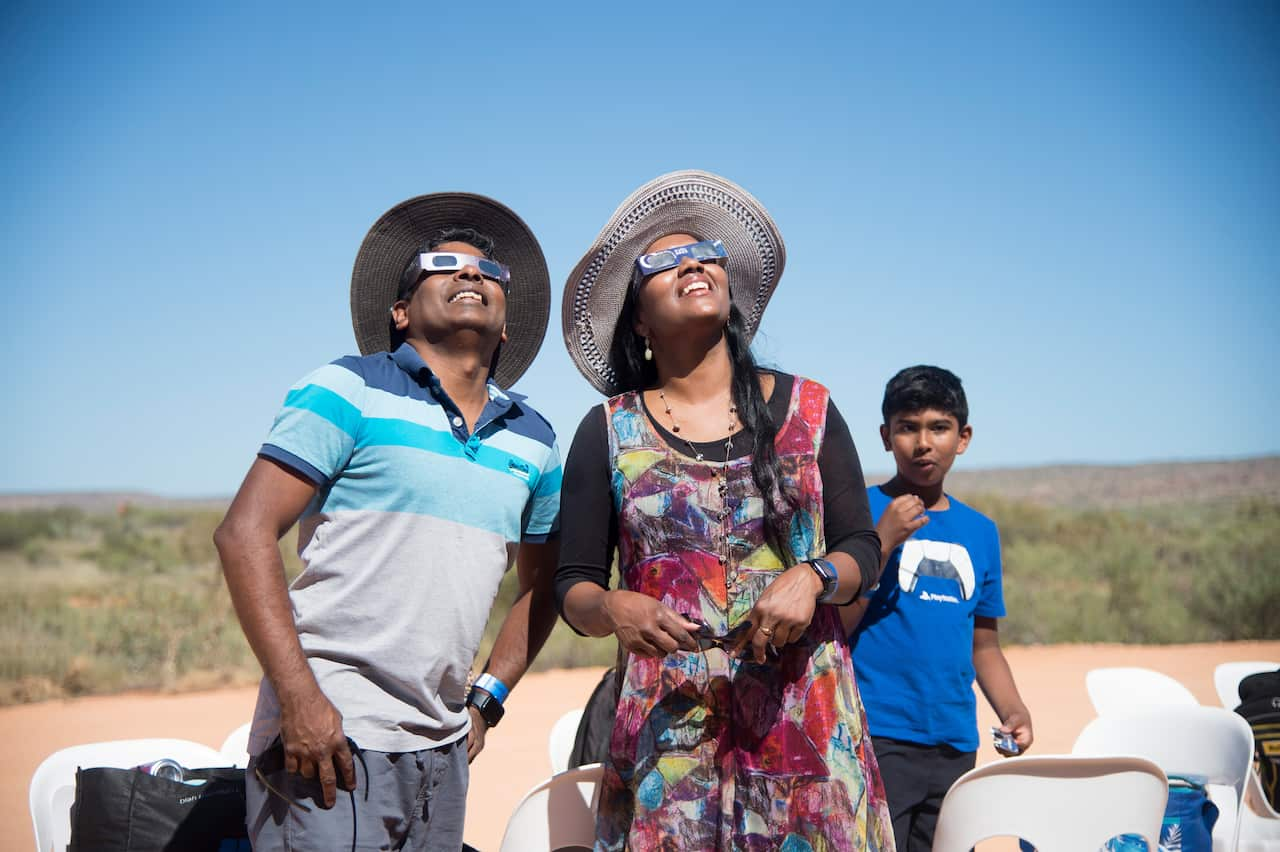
695,202
400,233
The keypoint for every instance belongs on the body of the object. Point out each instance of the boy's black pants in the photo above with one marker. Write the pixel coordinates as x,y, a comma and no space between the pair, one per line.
916,777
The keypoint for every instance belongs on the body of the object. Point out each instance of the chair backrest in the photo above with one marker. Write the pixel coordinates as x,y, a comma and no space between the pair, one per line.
1208,744
53,785
1211,744
1059,803
235,748
559,813
560,742
1227,677
1128,689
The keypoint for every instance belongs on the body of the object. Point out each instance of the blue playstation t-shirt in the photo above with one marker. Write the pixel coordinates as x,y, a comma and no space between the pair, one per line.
913,650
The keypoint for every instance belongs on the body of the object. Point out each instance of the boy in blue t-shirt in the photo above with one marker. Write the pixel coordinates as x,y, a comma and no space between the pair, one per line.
921,636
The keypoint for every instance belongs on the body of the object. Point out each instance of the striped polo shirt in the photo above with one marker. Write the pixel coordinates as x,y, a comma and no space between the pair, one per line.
413,525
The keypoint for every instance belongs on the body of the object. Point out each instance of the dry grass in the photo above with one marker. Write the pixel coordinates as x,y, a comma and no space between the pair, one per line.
102,596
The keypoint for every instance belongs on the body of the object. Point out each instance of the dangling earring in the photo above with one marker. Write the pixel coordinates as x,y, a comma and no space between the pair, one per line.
648,353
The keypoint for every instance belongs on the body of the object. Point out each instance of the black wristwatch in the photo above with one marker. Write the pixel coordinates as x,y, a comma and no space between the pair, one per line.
830,579
490,708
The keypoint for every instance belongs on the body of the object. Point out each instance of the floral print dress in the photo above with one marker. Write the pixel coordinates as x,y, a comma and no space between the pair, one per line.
710,751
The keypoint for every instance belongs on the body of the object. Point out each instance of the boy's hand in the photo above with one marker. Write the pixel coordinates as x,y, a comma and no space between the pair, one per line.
1019,724
903,516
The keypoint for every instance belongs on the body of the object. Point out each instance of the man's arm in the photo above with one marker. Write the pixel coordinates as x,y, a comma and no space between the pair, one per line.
526,627
996,680
269,502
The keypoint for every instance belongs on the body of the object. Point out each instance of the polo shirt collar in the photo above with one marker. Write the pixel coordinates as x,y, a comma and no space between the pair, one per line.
408,359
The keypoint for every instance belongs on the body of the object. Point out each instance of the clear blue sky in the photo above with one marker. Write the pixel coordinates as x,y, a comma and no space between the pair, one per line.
1075,206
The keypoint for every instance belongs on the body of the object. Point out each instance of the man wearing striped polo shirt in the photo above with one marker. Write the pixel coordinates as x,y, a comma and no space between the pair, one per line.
416,478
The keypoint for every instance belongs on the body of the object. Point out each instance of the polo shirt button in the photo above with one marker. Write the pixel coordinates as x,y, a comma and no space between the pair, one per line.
457,421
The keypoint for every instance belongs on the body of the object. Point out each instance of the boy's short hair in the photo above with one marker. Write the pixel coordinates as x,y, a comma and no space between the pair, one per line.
923,387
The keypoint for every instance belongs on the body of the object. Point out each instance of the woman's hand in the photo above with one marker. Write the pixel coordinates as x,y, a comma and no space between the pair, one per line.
646,626
784,610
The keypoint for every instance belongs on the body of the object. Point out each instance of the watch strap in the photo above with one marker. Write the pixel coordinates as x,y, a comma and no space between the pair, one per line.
830,579
489,708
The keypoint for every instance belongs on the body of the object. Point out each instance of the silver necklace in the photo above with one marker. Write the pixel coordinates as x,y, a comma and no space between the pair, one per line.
722,473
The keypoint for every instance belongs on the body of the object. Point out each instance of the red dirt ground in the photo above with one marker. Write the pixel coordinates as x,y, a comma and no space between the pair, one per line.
1051,679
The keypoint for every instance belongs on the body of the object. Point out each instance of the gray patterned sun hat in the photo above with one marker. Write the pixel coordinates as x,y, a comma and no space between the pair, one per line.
695,202
397,237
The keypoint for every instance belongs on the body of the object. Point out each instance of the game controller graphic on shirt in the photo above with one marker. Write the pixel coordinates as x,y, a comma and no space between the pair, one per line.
941,559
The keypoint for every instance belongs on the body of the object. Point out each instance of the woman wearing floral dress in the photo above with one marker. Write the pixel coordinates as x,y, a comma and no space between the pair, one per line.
735,501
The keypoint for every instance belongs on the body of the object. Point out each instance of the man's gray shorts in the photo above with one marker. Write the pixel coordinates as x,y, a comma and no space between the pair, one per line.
408,800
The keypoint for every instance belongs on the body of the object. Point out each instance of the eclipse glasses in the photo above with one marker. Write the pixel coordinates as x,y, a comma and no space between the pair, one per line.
707,250
432,262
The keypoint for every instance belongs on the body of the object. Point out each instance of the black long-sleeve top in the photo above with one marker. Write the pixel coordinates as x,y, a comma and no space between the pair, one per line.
589,524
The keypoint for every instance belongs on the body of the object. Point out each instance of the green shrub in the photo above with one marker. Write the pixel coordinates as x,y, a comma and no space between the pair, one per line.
1191,573
17,529
149,609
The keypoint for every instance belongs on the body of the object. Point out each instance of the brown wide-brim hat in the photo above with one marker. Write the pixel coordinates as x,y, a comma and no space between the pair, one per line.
694,202
399,235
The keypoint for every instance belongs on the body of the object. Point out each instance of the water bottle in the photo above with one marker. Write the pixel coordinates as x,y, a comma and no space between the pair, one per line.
164,768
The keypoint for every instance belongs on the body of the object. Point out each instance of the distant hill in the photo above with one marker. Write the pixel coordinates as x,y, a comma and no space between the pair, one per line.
107,501
1107,486
1073,486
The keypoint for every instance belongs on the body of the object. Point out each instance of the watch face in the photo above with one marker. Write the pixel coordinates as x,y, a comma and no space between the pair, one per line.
490,710
830,579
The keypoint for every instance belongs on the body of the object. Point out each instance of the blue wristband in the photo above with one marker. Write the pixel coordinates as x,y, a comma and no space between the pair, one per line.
493,686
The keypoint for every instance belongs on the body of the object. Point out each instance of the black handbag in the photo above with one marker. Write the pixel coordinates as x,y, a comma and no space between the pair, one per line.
129,810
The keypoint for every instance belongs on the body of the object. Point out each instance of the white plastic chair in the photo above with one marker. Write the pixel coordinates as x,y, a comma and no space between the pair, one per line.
559,813
1128,689
235,748
1209,744
1227,677
560,742
53,785
1035,798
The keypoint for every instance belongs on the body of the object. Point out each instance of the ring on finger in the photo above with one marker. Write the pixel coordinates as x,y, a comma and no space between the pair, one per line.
767,631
